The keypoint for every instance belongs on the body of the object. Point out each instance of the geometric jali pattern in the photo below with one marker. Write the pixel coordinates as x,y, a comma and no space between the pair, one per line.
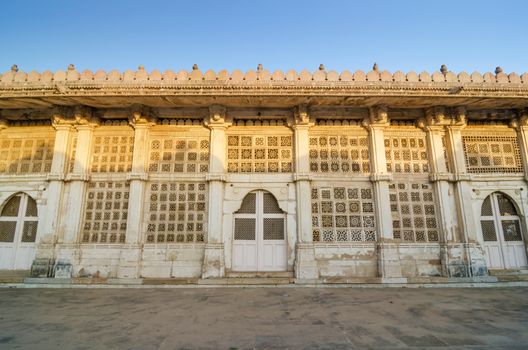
413,212
24,156
492,153
343,214
176,212
113,153
106,212
179,155
259,154
406,152
339,154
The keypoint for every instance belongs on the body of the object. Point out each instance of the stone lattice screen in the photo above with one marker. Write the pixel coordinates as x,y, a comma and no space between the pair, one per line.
106,211
26,155
179,154
334,153
260,154
406,151
414,217
488,151
176,212
112,151
343,213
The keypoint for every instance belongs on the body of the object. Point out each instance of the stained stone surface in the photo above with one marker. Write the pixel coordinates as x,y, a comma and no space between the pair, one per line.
264,318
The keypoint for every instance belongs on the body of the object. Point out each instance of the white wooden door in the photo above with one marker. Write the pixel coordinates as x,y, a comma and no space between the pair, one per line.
501,232
18,231
259,239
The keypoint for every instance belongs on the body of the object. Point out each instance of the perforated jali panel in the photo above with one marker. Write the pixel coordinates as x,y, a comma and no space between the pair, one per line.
343,214
176,212
245,229
7,231
486,209
259,154
413,212
488,230
249,204
406,152
113,153
106,212
11,207
496,152
24,156
270,204
339,154
179,154
273,229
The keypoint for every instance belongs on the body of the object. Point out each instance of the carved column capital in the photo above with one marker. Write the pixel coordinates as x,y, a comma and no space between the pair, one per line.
460,117
4,123
302,117
378,118
142,117
217,117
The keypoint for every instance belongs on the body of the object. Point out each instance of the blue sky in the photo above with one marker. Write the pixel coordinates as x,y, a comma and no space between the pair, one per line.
408,35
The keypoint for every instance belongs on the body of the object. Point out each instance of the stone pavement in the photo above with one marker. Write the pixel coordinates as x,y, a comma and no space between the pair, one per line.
264,318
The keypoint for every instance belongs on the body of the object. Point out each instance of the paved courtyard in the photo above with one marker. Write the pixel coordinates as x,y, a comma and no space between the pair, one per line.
264,318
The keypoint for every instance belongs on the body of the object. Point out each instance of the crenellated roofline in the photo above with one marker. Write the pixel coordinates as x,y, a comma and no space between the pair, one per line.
19,89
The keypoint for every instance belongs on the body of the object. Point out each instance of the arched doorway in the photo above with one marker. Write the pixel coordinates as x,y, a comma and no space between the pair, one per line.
259,237
501,233
18,232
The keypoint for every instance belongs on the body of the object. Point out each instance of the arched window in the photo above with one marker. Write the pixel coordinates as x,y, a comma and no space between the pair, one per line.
501,232
19,219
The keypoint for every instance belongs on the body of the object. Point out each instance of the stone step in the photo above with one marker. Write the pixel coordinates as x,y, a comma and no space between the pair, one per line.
169,281
247,281
273,274
13,276
512,278
505,272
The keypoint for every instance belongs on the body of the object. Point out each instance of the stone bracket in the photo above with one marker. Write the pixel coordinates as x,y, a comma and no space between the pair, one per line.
381,177
440,177
77,177
55,177
137,176
463,177
302,177
215,177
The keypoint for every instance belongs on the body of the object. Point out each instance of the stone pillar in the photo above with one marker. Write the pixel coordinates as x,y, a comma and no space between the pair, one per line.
130,259
470,254
214,262
49,227
305,262
522,135
439,175
389,266
72,208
